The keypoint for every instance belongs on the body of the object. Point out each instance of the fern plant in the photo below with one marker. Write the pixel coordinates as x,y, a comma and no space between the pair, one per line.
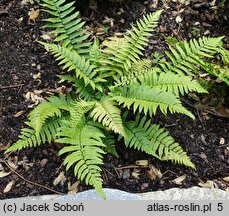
185,56
112,82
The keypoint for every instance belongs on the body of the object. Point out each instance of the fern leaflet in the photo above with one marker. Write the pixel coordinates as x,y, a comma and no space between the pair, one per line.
67,26
107,112
148,100
170,82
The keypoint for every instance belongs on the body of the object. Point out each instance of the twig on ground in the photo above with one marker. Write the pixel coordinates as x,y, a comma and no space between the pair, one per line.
28,181
118,174
221,146
131,167
11,86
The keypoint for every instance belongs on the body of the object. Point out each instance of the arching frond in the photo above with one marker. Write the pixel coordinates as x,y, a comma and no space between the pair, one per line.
185,57
120,53
61,101
74,62
28,137
139,69
66,25
107,112
42,112
50,108
150,138
84,92
95,51
109,137
110,142
84,148
221,72
77,113
170,82
146,99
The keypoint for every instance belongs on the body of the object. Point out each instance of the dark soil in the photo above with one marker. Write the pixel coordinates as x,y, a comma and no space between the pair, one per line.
25,66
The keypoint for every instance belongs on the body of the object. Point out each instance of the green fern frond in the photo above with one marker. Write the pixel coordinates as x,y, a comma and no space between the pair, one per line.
107,112
28,137
67,26
225,56
141,68
77,111
95,52
109,137
136,137
221,72
120,53
61,101
185,56
42,112
153,140
170,82
73,62
84,92
148,100
84,152
110,142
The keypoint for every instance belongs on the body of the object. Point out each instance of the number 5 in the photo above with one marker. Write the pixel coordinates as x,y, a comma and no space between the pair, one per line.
220,207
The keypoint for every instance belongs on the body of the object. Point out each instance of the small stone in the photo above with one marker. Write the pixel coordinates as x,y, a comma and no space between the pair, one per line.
178,19
126,174
207,32
162,182
43,162
38,67
45,152
203,138
207,24
162,29
145,185
15,77
20,20
37,76
154,42
203,155
221,141
192,136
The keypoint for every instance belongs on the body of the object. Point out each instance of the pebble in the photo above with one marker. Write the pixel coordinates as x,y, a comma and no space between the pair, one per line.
207,32
207,24
221,141
162,182
38,67
126,174
154,42
144,186
43,162
200,5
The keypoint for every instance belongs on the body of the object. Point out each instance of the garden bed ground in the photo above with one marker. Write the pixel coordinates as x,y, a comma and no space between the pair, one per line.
28,74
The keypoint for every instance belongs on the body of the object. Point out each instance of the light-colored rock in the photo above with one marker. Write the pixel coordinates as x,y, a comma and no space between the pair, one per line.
194,193
111,194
